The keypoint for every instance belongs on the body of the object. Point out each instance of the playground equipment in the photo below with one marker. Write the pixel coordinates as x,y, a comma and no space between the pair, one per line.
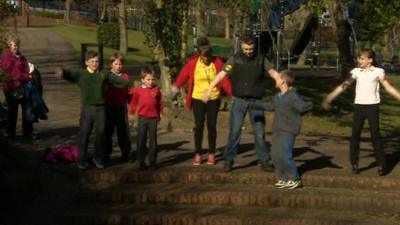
272,40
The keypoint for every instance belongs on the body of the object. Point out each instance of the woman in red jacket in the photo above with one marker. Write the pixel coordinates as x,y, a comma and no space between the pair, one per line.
199,72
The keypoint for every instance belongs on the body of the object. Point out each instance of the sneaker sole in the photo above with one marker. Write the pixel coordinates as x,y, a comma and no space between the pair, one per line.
294,186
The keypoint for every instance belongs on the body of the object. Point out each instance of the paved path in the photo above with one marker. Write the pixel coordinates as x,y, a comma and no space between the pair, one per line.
314,154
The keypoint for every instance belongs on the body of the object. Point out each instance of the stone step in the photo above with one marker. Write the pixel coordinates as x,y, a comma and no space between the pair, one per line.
244,195
126,214
118,175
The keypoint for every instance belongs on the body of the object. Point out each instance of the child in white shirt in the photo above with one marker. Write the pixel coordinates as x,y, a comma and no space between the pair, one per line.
366,106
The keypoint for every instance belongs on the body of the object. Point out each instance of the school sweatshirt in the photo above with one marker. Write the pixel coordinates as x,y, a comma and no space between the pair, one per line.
147,102
92,84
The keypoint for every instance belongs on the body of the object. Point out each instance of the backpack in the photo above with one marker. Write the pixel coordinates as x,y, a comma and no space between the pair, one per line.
63,153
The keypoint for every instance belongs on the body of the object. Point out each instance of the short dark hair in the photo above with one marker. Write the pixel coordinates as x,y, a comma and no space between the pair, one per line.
248,39
91,55
117,56
204,47
146,70
288,77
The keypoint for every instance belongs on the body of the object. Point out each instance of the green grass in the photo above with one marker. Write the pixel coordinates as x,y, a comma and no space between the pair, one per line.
138,53
338,121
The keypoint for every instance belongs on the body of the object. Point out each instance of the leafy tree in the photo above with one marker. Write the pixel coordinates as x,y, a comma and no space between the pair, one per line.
166,19
372,20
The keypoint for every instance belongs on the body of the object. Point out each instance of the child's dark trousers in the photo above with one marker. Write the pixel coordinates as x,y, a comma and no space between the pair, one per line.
91,117
371,113
147,127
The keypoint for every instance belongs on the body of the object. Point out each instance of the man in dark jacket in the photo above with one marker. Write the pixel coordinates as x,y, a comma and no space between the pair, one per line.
246,70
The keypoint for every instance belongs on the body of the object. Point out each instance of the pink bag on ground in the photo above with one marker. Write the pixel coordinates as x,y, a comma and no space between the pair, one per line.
63,153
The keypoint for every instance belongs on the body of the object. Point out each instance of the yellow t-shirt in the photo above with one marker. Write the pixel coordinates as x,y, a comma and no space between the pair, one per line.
203,76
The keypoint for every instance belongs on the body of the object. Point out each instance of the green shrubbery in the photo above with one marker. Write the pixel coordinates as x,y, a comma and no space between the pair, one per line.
108,34
48,14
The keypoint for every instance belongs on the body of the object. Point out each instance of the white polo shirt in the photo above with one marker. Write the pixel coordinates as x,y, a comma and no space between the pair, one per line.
367,85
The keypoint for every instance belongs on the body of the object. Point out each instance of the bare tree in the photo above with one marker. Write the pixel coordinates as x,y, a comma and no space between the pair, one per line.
342,30
123,41
200,13
67,14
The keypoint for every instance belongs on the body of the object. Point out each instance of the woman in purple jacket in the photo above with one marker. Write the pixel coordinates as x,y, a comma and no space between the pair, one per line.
16,70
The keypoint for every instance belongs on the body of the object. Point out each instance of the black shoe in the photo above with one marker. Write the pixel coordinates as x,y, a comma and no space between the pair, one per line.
354,168
228,165
267,166
381,171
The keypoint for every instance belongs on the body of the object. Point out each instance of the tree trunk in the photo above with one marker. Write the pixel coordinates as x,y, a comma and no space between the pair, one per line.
123,43
103,10
67,14
184,33
227,25
342,31
200,11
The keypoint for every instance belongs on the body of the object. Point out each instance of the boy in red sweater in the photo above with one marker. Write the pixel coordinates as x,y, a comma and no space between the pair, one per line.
147,102
117,111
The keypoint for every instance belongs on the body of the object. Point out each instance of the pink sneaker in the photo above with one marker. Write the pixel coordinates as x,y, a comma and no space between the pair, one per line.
197,159
211,159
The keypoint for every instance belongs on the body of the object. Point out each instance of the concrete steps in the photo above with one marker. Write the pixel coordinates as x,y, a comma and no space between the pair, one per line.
187,195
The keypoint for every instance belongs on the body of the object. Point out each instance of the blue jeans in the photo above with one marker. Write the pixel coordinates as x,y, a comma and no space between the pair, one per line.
257,119
282,155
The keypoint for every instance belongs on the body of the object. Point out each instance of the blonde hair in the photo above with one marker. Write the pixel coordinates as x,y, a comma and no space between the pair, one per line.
12,38
117,56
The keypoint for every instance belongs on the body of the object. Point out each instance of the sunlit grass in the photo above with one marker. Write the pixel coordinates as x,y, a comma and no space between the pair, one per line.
138,53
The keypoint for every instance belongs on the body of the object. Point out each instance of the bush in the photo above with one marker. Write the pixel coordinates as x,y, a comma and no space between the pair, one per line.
108,34
48,14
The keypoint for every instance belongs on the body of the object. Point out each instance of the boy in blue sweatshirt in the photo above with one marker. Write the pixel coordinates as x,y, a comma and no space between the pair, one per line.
288,107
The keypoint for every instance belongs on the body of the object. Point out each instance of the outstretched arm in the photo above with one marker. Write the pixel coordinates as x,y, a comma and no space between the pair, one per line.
216,81
273,73
389,88
336,92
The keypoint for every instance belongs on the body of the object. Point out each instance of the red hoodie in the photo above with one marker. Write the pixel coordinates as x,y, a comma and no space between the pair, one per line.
147,102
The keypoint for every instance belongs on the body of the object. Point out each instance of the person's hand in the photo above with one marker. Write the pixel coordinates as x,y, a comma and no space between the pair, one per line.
326,105
206,96
131,120
58,72
174,89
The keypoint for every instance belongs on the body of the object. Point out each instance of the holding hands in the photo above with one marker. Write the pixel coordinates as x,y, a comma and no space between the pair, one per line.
131,120
58,72
206,96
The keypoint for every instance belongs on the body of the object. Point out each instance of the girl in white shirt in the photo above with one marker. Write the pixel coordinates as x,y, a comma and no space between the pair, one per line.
366,106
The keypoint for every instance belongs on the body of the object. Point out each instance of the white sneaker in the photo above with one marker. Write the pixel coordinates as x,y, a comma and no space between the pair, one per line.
280,184
292,184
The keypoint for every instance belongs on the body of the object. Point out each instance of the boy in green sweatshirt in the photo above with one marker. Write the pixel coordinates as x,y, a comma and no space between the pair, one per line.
91,82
